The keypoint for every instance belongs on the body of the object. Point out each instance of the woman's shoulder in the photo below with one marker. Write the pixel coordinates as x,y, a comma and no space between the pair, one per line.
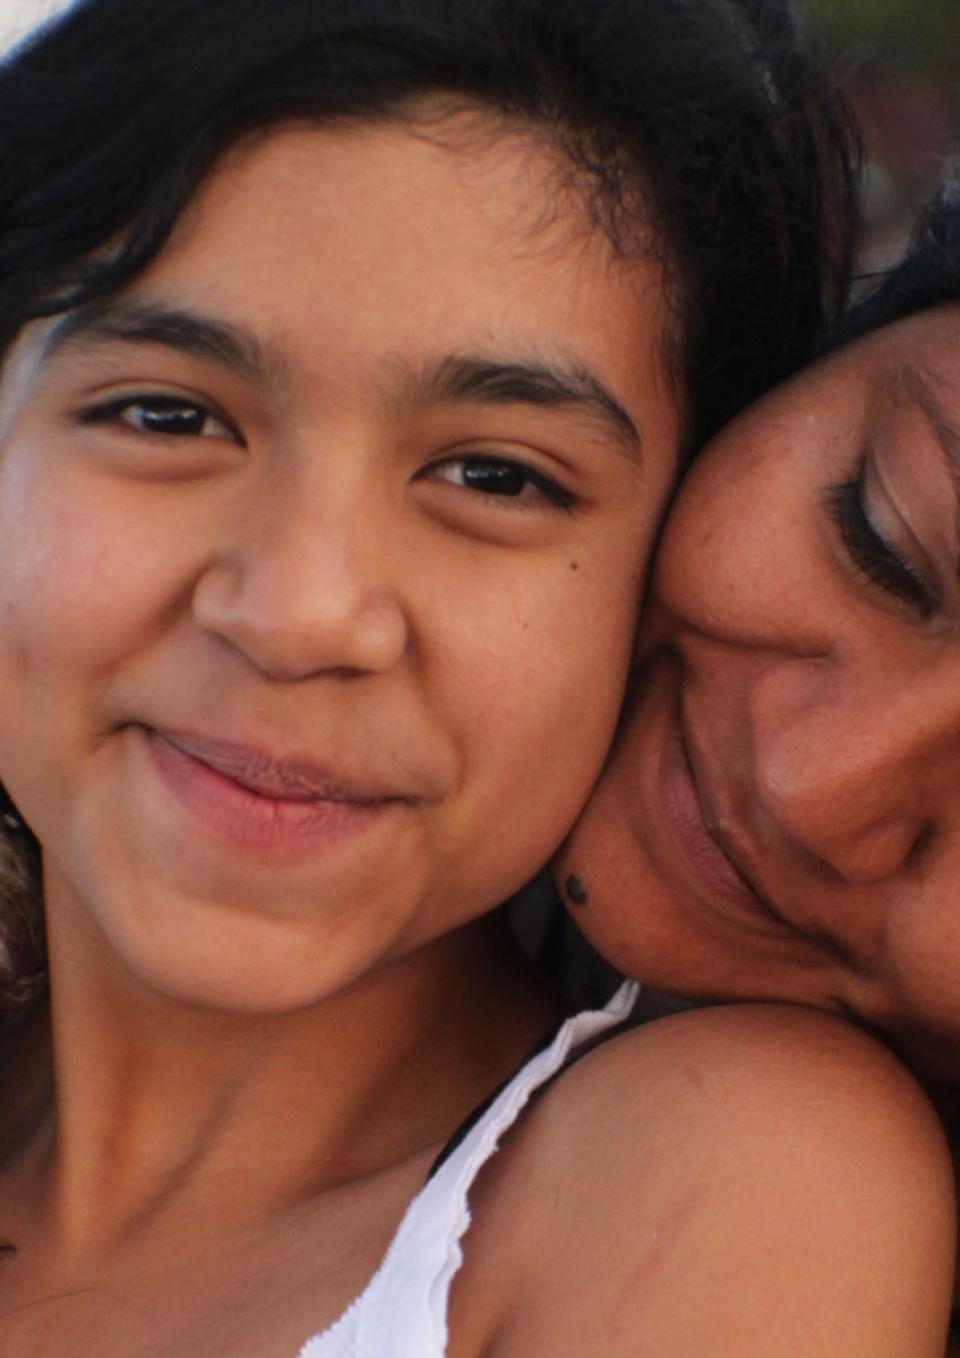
736,1063
744,1178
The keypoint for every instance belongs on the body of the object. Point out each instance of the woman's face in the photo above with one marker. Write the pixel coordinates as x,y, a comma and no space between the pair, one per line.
310,542
781,814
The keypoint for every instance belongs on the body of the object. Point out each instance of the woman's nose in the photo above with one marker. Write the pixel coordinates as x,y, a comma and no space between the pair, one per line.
857,764
305,584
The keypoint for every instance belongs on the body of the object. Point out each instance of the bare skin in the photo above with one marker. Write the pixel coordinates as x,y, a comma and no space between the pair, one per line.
700,1114
169,1243
757,1148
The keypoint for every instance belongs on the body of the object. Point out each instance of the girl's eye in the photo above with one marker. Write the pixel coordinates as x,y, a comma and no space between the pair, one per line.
169,415
501,478
875,556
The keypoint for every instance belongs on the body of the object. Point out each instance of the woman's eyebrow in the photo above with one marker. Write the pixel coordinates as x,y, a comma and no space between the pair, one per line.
507,382
921,390
142,322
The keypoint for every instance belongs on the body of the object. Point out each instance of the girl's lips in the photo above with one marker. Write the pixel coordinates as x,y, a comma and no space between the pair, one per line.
683,806
260,804
290,779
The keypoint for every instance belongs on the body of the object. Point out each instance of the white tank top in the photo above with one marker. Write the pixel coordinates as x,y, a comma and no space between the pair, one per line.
403,1311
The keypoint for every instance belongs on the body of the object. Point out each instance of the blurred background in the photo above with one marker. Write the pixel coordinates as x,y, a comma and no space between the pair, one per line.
899,62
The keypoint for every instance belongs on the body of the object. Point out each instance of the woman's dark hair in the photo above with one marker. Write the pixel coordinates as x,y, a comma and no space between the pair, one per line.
698,124
928,274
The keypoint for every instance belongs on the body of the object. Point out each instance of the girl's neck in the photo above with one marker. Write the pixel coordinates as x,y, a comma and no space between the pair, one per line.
123,1113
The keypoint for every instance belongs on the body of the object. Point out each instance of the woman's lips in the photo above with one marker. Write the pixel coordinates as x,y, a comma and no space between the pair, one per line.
686,814
261,803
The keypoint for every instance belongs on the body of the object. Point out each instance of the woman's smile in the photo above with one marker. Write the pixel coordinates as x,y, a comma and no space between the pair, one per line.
691,813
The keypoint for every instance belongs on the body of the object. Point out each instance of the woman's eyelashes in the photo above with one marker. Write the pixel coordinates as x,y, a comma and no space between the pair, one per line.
877,557
160,413
502,479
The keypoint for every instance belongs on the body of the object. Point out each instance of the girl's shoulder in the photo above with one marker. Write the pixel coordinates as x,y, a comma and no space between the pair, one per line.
738,1179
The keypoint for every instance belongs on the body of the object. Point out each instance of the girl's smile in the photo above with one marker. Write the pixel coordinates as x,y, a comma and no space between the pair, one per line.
262,805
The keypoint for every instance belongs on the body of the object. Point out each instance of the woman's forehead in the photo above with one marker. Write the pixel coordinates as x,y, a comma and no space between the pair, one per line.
913,360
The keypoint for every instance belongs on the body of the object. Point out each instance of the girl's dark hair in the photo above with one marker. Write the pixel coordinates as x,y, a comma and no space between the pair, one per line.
697,123
707,108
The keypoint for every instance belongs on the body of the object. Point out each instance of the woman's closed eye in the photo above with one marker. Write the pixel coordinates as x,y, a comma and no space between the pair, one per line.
876,557
160,413
502,479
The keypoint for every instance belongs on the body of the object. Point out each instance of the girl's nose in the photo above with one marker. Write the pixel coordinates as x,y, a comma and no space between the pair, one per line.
305,585
857,764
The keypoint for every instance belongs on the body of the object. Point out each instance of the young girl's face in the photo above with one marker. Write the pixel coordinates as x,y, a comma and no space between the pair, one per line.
320,549
781,815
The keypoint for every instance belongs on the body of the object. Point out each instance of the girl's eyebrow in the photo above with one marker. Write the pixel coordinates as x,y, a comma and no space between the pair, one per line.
142,322
470,378
488,379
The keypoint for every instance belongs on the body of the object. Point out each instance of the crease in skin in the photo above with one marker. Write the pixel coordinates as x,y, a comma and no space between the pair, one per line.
36,1302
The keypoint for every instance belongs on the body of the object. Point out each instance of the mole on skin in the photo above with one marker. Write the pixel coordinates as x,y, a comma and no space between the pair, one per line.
576,890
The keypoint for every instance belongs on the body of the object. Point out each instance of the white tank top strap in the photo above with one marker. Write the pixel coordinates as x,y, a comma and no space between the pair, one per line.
403,1311
20,18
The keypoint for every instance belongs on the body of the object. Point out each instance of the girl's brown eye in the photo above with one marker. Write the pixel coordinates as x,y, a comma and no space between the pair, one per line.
494,478
501,478
168,415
